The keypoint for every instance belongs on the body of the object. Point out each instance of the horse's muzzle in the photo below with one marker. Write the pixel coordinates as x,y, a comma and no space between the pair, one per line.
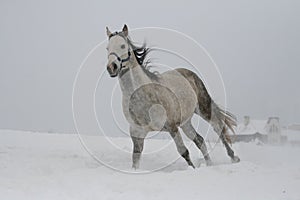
112,69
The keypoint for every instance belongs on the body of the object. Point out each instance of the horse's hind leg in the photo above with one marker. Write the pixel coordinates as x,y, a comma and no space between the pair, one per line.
192,134
220,130
219,127
181,148
138,137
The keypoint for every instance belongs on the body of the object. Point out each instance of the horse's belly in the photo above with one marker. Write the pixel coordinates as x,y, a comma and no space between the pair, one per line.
153,105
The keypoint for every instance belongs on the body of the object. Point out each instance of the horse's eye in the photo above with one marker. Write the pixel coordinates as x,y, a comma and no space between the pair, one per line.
123,46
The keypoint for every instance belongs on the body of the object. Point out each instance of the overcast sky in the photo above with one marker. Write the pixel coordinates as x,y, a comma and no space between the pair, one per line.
255,44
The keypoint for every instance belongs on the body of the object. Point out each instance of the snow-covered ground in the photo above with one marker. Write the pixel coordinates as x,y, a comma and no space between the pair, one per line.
55,166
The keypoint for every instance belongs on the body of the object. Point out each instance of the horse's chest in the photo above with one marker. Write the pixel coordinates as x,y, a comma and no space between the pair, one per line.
146,108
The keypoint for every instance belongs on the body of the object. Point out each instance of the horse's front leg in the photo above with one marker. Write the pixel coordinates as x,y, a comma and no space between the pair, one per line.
138,136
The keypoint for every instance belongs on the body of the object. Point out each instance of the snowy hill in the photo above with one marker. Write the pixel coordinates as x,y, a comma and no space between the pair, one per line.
55,166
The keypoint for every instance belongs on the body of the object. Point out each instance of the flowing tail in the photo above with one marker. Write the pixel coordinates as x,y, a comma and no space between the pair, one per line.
224,121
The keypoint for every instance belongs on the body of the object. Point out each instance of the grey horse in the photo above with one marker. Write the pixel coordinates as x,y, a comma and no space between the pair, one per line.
163,102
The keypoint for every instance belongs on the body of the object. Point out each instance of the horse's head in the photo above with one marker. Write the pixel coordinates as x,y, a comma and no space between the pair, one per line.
118,50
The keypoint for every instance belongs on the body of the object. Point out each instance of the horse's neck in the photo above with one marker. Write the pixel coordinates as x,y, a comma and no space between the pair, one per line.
133,79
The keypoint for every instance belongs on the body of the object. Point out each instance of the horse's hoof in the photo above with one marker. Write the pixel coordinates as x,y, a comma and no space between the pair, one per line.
190,167
135,166
235,159
193,166
209,163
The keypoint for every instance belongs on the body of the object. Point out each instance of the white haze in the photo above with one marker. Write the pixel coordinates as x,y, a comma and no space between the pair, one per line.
255,45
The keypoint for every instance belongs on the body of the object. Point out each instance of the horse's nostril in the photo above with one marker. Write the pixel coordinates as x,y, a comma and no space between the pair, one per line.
114,66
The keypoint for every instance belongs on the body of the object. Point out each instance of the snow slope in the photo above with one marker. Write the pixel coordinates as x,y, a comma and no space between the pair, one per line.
55,166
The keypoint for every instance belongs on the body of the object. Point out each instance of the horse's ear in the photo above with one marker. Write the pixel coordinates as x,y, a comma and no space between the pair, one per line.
108,33
125,30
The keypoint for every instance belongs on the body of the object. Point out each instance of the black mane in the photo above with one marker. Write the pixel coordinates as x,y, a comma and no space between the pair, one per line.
140,53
